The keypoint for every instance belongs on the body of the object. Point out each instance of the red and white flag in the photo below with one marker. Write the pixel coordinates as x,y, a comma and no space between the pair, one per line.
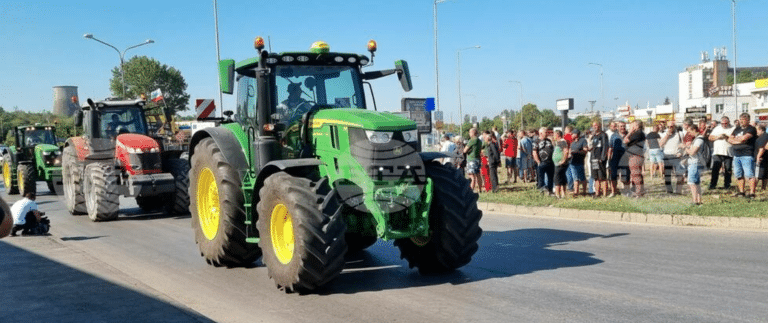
156,95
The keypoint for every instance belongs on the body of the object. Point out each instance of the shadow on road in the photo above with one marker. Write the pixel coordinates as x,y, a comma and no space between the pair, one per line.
137,214
80,238
37,289
501,254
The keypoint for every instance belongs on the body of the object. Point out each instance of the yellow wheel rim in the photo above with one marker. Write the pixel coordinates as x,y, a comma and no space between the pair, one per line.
208,203
20,179
281,232
7,176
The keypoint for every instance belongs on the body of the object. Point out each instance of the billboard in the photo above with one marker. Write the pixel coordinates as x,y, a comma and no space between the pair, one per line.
565,104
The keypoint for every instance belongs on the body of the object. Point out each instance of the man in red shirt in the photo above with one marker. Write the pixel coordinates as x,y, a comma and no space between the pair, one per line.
510,153
568,137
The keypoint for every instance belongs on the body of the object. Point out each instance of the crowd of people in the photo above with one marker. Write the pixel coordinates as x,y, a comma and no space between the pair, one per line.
568,163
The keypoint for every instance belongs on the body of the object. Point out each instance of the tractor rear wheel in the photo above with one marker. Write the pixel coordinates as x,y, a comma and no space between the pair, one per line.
217,207
101,192
10,186
302,232
51,187
454,225
73,182
150,203
27,178
178,201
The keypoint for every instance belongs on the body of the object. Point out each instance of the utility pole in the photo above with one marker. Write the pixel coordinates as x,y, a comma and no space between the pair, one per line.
735,76
437,73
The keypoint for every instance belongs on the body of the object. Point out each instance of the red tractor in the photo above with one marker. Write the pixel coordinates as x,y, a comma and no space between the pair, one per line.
118,155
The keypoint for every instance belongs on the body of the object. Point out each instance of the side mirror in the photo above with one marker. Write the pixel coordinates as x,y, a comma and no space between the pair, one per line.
79,118
404,75
227,75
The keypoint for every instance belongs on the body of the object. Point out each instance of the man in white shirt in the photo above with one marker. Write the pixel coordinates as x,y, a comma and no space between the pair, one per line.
25,214
449,148
722,154
671,143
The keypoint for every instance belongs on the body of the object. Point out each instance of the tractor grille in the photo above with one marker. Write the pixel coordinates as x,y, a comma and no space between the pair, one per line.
390,162
146,163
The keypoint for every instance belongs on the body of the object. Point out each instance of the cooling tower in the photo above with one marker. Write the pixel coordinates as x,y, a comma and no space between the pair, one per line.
65,100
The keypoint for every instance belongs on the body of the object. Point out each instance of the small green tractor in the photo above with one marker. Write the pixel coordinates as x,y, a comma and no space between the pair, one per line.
305,173
36,156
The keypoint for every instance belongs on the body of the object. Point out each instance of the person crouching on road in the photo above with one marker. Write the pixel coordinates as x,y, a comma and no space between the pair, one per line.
25,214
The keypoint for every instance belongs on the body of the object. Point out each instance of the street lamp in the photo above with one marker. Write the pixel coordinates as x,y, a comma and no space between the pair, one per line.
122,55
437,74
602,93
735,76
522,122
458,77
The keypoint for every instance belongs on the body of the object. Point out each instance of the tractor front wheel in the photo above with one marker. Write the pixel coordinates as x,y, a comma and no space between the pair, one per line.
178,201
10,186
302,232
217,207
27,178
101,192
454,225
74,199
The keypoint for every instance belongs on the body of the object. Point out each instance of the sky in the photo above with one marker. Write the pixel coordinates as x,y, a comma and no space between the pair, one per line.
545,45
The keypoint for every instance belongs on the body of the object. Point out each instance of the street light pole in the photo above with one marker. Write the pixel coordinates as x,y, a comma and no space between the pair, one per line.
602,93
437,73
735,76
121,54
522,121
458,78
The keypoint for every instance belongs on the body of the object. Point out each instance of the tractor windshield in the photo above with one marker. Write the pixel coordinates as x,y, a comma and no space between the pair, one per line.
119,120
38,136
300,88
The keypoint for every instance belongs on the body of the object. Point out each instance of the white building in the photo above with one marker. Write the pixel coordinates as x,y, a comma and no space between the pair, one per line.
703,92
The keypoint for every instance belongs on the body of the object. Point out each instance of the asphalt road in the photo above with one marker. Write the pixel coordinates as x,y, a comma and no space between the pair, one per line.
146,267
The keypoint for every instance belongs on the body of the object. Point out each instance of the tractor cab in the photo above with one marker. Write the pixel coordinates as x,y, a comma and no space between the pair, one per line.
108,119
37,137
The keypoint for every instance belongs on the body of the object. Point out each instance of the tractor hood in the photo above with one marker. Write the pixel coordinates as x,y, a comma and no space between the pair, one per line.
46,148
364,119
136,143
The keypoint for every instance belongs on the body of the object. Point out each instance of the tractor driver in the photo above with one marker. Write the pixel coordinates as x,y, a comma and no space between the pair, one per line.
116,127
289,105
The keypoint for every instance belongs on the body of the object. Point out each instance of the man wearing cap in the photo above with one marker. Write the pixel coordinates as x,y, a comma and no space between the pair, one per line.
579,150
288,106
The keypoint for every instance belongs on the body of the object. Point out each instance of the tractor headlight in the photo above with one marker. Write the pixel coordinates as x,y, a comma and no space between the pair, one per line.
411,135
378,137
46,153
132,150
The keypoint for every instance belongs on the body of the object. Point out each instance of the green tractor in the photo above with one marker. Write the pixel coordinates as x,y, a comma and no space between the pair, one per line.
36,156
304,173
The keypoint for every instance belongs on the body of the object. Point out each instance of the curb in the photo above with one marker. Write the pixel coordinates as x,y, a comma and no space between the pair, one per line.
760,224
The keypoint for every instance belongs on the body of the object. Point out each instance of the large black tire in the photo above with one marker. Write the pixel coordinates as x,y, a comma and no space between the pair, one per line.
27,178
71,177
101,191
222,243
11,186
302,232
178,201
357,242
151,203
51,187
454,221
